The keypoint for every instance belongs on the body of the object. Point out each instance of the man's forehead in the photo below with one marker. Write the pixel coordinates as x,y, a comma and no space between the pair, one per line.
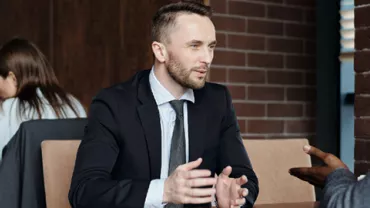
193,27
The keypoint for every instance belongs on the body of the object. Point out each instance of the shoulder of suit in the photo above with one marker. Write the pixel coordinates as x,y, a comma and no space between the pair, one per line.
123,89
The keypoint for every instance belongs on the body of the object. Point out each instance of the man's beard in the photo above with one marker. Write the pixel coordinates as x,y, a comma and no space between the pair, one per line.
182,76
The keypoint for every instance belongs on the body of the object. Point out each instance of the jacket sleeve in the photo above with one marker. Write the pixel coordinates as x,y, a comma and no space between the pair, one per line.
342,190
92,185
233,152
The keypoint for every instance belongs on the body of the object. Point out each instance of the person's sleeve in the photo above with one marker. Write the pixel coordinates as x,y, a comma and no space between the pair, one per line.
92,184
233,152
342,190
154,198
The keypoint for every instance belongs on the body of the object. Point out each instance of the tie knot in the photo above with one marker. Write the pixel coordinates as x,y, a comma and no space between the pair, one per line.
178,106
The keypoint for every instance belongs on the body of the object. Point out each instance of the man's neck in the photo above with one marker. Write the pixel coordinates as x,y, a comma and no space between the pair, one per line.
168,82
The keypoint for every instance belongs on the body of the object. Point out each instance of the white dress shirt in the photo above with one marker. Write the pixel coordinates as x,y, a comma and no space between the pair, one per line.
167,116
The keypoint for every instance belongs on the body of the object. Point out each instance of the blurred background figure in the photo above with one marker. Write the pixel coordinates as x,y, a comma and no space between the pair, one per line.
29,89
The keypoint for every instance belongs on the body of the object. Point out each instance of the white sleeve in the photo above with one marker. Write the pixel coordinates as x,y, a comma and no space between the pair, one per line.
154,197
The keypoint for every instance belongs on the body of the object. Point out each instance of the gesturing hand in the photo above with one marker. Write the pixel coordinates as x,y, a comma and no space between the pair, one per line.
317,175
183,185
229,192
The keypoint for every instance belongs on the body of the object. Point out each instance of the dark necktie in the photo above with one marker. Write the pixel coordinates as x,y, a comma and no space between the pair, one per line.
177,152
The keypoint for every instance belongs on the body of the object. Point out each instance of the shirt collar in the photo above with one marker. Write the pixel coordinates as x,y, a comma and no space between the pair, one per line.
162,95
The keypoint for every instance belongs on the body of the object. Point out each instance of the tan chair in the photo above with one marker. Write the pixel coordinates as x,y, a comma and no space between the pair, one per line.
271,160
58,160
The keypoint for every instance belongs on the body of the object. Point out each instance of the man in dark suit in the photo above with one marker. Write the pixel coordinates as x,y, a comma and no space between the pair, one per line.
166,138
340,187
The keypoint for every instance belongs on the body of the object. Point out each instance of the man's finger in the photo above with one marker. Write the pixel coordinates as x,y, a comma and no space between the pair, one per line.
191,165
200,192
243,192
306,174
197,200
242,180
226,172
200,182
197,174
311,150
239,202
302,171
298,172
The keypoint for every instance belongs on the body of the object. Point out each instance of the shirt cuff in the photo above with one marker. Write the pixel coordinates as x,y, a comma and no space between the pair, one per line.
154,197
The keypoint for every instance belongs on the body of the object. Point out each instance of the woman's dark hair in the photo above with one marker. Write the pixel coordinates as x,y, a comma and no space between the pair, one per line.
33,71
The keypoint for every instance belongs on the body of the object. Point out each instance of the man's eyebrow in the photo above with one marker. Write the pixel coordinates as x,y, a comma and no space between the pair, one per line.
213,42
195,42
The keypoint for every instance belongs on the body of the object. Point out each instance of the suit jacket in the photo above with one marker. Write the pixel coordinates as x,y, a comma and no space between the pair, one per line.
342,190
121,151
21,175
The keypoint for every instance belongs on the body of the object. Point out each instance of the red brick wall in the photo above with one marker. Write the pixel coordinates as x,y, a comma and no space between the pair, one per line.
266,56
362,87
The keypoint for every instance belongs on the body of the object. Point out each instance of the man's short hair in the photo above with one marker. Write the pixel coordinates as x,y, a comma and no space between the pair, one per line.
165,18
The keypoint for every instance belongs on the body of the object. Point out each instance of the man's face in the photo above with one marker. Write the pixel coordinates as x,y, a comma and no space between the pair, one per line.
190,50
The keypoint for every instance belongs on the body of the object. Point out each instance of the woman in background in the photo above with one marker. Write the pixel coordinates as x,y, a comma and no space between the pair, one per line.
29,89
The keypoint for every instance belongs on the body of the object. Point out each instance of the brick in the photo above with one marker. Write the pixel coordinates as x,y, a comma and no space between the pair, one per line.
265,60
265,27
310,16
300,126
284,13
304,3
221,40
283,77
362,148
265,126
284,110
246,42
300,30
362,2
229,58
361,61
310,110
301,94
249,109
247,9
266,93
362,15
284,45
361,168
218,75
310,47
362,129
362,106
362,84
362,40
229,24
237,92
246,76
218,6
300,62
242,126
310,79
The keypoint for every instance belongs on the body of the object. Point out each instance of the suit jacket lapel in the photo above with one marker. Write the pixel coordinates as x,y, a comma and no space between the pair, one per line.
197,127
149,117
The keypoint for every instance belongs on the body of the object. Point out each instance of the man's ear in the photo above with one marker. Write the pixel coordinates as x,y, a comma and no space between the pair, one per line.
159,51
